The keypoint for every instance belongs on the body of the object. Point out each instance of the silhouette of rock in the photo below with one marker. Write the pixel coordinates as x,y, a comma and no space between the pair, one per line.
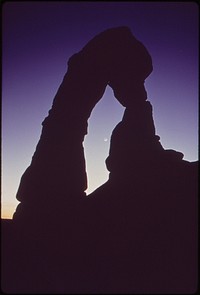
137,233
146,213
57,171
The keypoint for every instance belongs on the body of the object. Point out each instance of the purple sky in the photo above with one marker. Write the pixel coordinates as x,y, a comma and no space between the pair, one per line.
39,38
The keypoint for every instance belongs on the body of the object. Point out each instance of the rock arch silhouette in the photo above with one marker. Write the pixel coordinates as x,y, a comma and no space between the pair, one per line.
115,58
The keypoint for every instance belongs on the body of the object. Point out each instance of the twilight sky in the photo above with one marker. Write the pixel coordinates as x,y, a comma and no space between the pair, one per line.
38,39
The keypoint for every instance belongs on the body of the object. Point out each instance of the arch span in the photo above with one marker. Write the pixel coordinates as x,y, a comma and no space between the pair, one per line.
57,171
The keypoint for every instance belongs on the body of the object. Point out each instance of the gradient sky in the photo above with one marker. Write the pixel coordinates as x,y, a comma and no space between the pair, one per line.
38,39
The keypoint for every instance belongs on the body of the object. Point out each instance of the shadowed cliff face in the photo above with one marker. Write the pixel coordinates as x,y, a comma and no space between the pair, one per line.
137,233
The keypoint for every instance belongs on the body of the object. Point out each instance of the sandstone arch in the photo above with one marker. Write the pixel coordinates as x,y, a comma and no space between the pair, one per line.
57,171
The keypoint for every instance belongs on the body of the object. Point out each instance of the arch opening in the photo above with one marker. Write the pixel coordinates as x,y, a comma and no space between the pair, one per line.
105,116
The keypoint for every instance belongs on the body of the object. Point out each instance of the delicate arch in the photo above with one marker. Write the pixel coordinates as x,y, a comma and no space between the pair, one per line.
57,170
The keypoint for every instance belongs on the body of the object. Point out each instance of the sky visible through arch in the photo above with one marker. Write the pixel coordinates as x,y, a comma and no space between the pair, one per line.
38,39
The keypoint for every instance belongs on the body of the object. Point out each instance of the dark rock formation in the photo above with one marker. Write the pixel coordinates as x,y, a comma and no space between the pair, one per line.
146,213
57,172
137,232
